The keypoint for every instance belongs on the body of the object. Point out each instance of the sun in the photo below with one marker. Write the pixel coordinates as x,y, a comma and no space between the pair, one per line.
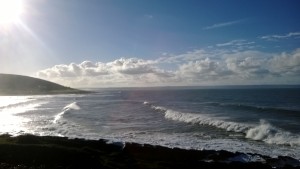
10,11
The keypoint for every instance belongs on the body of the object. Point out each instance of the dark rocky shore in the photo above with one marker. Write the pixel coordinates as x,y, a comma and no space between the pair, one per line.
28,151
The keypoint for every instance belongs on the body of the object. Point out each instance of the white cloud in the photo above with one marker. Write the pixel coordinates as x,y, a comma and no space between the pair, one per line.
199,67
235,43
223,24
286,63
204,68
189,56
238,45
119,72
198,54
278,37
132,66
248,64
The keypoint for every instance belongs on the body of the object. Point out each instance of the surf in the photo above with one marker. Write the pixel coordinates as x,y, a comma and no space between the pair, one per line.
272,135
69,107
263,131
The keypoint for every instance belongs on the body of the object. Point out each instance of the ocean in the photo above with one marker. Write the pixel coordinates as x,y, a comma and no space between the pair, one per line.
249,119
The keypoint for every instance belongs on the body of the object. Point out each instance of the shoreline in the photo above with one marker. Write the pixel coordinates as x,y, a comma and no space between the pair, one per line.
29,151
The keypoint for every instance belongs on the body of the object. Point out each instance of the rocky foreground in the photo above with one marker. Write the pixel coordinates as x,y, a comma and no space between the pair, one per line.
28,151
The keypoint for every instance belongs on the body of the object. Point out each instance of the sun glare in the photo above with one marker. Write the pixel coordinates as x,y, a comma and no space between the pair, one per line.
10,11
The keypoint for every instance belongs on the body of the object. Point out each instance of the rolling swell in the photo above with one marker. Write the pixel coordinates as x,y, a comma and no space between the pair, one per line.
263,131
246,107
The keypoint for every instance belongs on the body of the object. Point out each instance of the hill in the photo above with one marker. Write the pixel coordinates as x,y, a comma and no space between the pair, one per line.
23,85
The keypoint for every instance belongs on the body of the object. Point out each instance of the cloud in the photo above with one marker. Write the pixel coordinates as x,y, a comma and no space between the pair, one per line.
87,68
204,67
198,67
223,24
286,64
248,64
131,66
118,72
229,66
188,56
239,42
278,37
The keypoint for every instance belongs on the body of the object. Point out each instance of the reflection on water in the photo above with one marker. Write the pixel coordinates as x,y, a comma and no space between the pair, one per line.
11,100
10,107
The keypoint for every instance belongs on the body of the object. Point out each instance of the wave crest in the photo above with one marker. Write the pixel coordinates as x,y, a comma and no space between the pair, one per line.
72,106
262,132
204,120
272,135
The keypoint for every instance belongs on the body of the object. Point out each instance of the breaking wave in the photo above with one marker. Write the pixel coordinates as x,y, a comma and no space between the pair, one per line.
272,135
72,106
264,131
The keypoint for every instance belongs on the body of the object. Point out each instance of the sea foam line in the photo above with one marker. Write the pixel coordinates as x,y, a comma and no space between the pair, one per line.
264,131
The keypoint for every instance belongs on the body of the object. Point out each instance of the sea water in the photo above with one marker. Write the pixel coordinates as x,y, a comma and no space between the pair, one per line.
261,119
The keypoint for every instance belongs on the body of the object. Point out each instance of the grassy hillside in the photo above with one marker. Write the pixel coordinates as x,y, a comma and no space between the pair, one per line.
24,85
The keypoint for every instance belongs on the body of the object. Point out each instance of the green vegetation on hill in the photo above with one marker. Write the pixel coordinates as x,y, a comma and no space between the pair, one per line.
24,85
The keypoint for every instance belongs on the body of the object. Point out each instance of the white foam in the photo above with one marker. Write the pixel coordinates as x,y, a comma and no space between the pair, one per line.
158,108
146,103
262,132
58,116
72,106
272,135
201,120
185,141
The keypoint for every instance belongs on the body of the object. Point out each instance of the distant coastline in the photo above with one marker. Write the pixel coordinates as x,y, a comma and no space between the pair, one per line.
11,84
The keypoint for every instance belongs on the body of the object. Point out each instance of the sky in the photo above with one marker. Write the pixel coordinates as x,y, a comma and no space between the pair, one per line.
129,43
